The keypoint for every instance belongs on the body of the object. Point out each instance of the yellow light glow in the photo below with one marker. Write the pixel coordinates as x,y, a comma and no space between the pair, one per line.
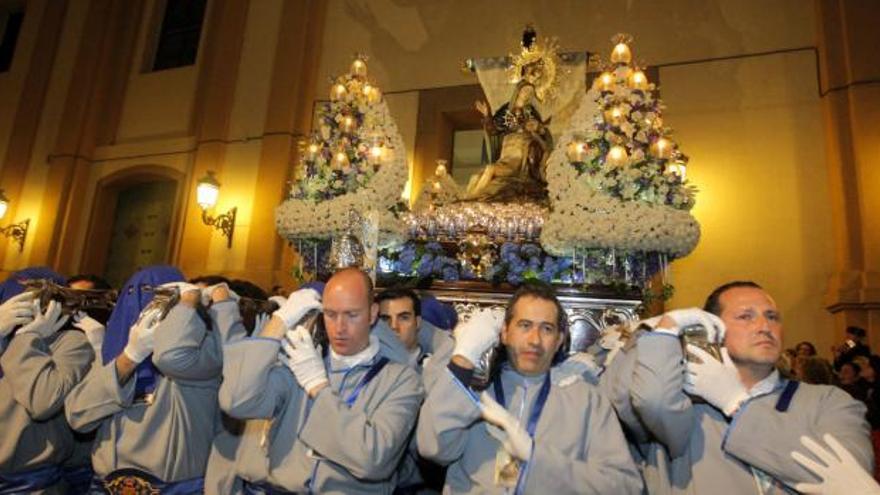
677,168
407,191
621,53
576,151
207,194
358,68
661,148
348,123
606,81
616,155
337,92
638,80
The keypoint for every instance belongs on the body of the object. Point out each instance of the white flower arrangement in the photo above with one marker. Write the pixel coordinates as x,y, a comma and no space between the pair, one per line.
318,209
651,218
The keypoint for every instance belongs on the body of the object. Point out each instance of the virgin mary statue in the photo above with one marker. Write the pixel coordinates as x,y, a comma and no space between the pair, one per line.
519,139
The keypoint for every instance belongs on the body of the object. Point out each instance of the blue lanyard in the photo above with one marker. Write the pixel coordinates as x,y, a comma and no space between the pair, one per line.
349,401
371,373
537,409
535,414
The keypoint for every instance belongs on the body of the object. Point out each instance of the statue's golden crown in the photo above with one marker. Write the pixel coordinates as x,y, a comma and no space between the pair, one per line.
544,53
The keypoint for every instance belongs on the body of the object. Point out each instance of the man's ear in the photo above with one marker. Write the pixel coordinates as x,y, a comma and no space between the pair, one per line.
374,313
504,334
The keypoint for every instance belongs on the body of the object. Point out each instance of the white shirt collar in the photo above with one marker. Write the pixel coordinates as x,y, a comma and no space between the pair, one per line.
766,385
338,361
414,355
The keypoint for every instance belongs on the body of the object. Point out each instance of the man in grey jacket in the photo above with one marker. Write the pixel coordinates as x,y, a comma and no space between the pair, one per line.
153,404
332,424
705,425
534,430
401,310
40,366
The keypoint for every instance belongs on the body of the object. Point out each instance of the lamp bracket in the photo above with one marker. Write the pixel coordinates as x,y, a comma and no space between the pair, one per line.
224,223
18,232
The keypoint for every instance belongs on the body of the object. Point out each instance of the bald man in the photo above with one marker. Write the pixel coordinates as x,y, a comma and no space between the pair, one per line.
331,420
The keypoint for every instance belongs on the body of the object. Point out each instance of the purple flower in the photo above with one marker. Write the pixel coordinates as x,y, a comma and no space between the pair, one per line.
450,274
426,265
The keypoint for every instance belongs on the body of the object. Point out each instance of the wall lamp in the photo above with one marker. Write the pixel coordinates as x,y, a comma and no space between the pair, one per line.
207,191
17,231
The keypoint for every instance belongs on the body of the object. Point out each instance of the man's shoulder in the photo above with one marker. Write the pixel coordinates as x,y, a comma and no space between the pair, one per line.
432,338
821,393
398,372
574,383
69,339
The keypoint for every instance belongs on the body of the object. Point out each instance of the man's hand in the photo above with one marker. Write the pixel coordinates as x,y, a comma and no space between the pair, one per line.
93,329
17,311
46,323
304,360
518,443
674,321
297,305
482,107
260,322
478,334
140,337
189,293
839,472
216,293
716,382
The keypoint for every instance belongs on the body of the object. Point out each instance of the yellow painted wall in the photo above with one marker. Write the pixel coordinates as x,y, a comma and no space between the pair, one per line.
422,44
753,130
157,104
32,191
12,81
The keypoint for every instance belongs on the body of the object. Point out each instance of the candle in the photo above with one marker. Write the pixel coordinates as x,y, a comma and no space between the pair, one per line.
605,81
616,155
661,148
337,92
621,54
358,68
576,151
638,80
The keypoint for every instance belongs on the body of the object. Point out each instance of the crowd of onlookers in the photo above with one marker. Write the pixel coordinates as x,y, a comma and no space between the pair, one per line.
854,369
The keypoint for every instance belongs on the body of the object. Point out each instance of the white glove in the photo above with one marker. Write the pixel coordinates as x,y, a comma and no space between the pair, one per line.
715,328
297,305
92,328
478,334
580,364
18,310
278,300
46,323
208,293
303,358
518,442
841,473
716,382
141,336
259,322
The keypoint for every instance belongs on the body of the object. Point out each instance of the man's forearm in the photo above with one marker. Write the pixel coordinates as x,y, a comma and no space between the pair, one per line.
124,368
274,329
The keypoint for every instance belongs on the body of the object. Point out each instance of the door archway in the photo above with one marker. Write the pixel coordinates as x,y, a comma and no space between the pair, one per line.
134,221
